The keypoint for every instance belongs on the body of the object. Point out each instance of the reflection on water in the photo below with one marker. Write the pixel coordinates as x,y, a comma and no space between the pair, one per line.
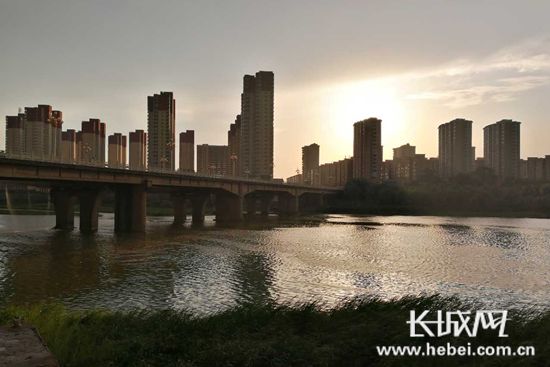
499,262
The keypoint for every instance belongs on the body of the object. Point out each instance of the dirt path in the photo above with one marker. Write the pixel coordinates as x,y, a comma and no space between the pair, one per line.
22,346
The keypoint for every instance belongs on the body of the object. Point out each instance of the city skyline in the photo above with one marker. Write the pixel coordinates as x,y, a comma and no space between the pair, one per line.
479,149
325,81
37,134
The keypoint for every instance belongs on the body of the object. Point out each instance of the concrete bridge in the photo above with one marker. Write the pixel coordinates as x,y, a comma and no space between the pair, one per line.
71,184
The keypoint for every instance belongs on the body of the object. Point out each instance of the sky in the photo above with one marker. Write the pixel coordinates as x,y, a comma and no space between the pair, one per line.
414,64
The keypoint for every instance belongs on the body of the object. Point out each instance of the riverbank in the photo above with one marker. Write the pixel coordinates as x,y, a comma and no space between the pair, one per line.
475,195
437,213
265,336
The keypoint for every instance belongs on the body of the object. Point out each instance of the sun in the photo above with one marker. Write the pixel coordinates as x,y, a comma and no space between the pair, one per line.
351,102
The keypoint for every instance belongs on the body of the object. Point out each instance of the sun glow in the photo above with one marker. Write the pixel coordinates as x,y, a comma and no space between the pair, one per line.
352,102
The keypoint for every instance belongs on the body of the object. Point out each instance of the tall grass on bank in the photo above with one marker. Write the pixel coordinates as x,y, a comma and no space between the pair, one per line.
266,335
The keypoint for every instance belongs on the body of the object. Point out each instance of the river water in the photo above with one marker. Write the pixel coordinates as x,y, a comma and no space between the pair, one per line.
494,261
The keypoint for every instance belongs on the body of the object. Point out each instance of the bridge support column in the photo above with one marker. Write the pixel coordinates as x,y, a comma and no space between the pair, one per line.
130,208
63,201
229,208
179,208
89,210
198,202
250,205
320,202
288,205
265,204
312,202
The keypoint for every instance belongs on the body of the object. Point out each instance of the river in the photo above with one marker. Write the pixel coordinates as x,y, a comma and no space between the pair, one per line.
498,262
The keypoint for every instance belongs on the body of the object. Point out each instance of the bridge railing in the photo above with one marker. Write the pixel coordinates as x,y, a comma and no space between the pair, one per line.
96,164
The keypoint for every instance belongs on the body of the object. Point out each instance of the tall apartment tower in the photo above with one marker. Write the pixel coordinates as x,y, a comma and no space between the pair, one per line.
68,146
212,159
256,145
138,150
92,142
456,153
43,132
187,151
501,148
117,150
102,134
35,134
367,149
79,146
234,144
161,131
15,135
310,162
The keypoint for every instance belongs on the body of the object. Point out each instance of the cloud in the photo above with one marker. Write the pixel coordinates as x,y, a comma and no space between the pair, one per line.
500,77
501,90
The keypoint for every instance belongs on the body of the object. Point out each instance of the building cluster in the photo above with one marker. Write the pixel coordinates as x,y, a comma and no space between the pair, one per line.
456,156
249,149
37,134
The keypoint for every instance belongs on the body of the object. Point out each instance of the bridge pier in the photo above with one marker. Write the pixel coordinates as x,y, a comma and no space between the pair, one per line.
63,201
179,208
250,205
289,204
265,204
229,207
89,210
130,208
311,202
198,203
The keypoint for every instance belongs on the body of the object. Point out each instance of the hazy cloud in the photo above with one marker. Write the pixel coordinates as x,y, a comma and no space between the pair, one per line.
500,77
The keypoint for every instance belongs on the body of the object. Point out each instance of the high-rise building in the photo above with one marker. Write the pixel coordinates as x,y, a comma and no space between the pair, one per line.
404,151
456,153
212,159
138,150
161,131
43,132
256,141
433,166
388,170
310,163
295,179
79,146
547,168
117,150
15,135
480,163
501,148
234,144
407,165
533,169
367,149
92,142
187,151
335,174
68,146
36,134
102,135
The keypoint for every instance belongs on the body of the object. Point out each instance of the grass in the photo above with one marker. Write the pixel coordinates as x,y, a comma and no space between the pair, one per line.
265,336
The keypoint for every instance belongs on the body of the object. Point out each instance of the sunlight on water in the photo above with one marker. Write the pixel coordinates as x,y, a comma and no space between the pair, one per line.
495,261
